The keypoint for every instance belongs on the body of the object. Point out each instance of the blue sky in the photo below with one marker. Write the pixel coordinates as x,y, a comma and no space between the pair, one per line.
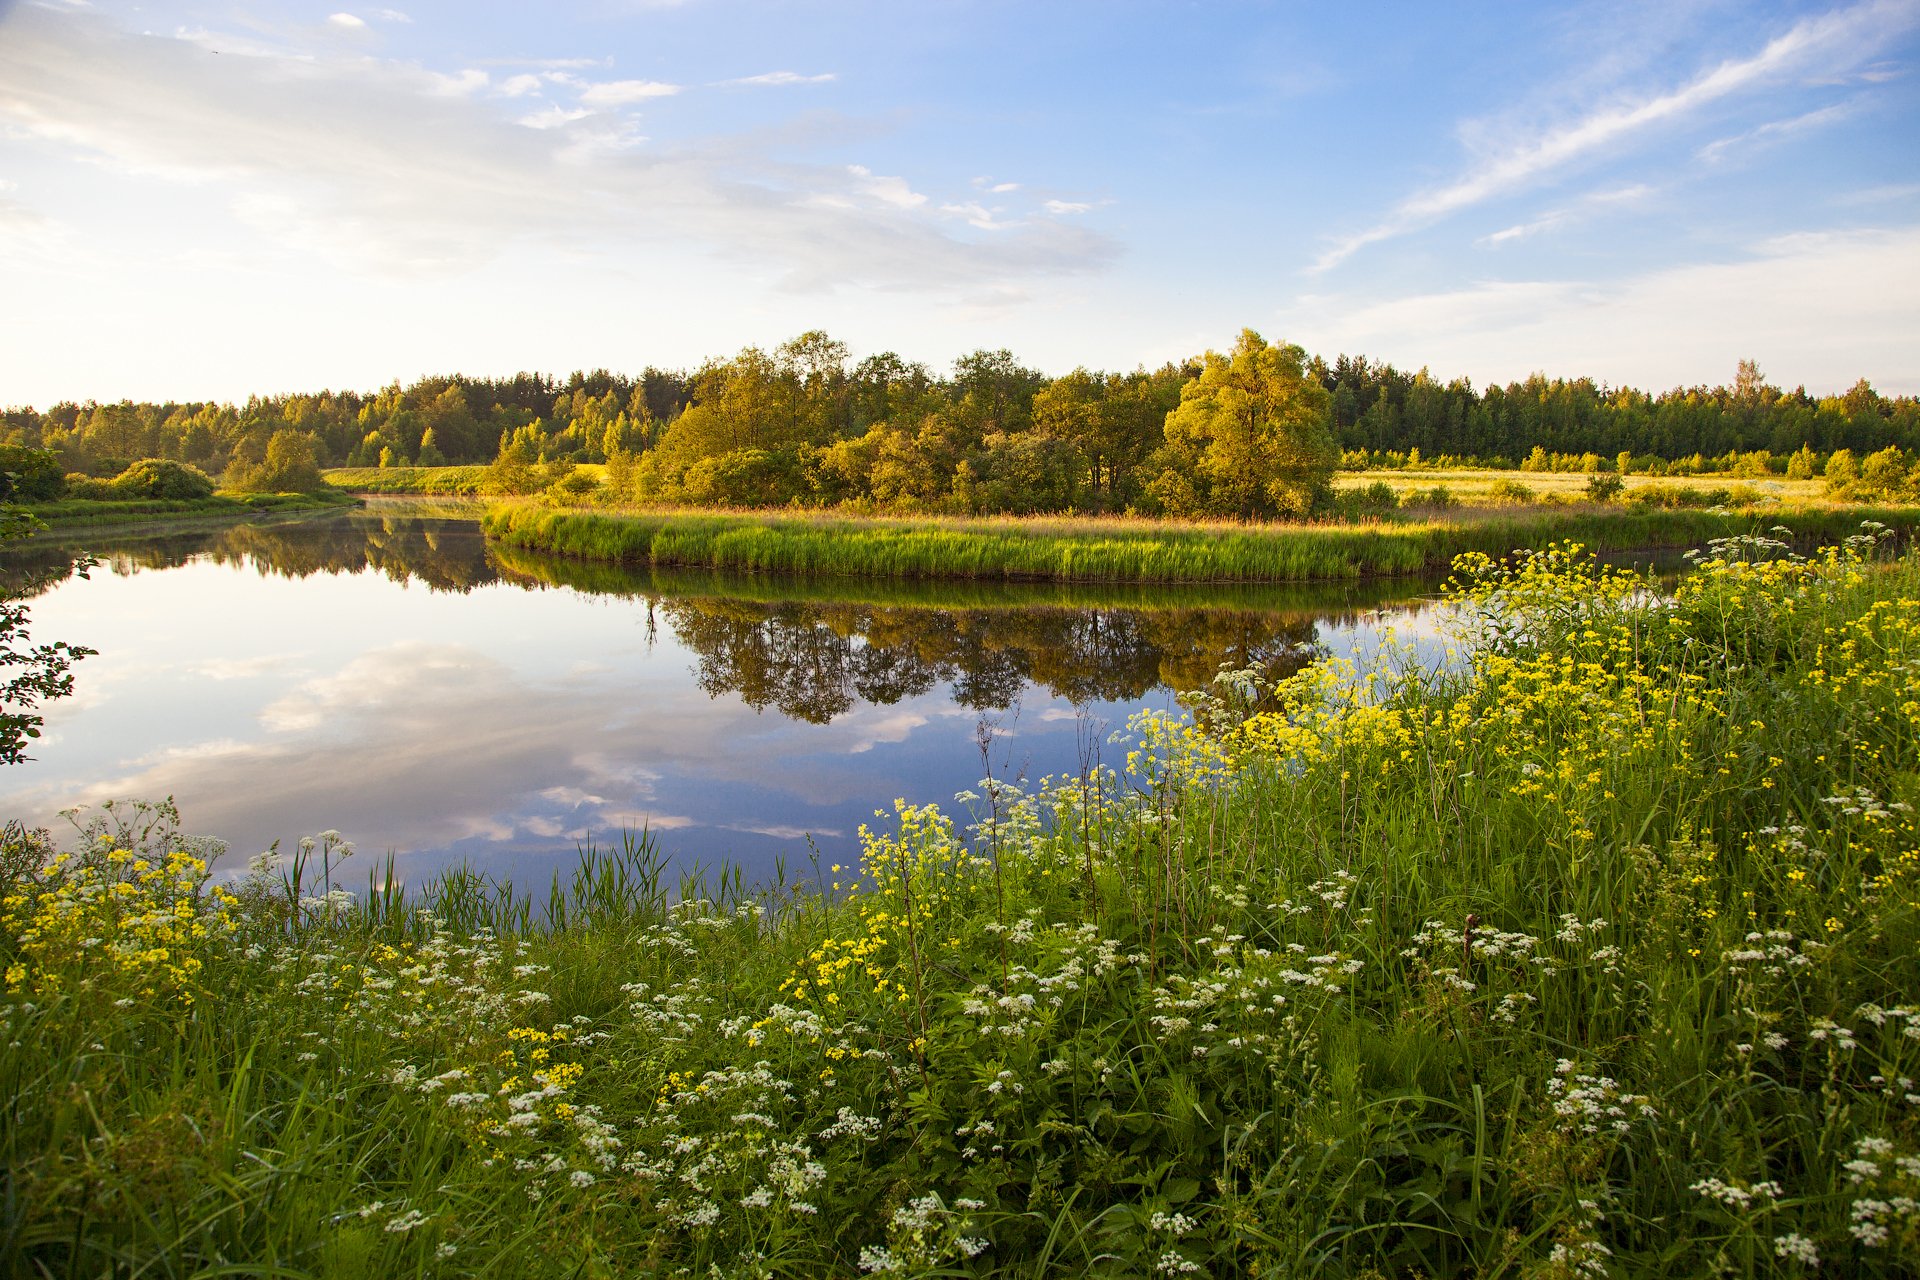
215,199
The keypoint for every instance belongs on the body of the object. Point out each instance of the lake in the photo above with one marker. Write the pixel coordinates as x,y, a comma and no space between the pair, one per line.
387,674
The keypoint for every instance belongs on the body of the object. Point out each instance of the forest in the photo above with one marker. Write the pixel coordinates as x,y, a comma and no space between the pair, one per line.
805,424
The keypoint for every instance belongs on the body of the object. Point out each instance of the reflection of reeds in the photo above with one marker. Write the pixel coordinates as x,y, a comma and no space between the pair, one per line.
1107,550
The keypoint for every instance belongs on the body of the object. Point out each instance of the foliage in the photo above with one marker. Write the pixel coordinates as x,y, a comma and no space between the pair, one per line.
1088,550
804,424
31,675
162,478
29,475
1250,436
1592,952
1604,486
289,466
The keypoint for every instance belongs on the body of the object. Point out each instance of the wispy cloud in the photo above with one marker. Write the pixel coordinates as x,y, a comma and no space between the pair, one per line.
1842,38
778,78
397,168
618,93
1775,130
1856,303
1559,219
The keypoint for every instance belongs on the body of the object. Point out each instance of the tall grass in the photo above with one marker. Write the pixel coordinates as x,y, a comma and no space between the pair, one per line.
1596,952
458,481
78,513
1107,550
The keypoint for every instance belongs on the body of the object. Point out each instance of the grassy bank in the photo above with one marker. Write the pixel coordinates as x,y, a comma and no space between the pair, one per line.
673,582
461,481
1598,954
1111,550
80,513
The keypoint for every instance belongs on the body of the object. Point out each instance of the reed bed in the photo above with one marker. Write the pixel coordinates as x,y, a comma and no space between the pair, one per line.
450,481
1595,952
1108,550
80,513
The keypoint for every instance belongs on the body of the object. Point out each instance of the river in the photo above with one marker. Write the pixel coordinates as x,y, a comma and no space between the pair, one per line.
386,674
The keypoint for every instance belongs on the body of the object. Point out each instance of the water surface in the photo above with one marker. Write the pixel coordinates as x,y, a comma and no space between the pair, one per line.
387,674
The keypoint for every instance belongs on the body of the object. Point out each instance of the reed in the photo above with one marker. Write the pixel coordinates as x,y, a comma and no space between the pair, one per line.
1111,550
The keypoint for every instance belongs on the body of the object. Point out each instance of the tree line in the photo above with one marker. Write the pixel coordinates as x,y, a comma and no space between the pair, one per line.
1255,430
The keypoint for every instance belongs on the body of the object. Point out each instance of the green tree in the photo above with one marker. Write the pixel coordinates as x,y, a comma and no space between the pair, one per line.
1255,432
288,466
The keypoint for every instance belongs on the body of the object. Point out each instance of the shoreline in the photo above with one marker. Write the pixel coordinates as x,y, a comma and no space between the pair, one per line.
1109,550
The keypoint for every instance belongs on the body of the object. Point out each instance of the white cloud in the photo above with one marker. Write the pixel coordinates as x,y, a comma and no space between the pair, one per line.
396,169
1556,219
619,93
462,84
1841,38
780,78
1065,207
554,117
346,20
893,191
1819,308
1717,150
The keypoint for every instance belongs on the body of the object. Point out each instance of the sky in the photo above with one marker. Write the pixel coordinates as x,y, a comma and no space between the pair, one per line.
213,200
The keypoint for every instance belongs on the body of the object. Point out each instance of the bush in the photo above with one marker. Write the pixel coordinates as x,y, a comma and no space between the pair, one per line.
1604,486
89,488
161,478
1375,499
29,475
1510,493
1439,498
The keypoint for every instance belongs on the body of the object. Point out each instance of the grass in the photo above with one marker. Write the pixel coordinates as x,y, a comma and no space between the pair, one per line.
1478,486
1594,953
463,481
1070,549
78,513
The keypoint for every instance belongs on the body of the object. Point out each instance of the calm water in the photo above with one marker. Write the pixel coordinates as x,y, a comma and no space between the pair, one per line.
387,674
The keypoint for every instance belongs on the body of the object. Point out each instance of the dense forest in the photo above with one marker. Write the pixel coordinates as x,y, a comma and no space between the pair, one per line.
804,423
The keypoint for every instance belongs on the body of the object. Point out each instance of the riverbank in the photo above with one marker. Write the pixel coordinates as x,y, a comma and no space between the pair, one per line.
77,513
1599,953
1067,549
428,481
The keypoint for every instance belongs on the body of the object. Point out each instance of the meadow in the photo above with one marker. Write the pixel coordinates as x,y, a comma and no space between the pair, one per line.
1589,952
1116,549
1486,487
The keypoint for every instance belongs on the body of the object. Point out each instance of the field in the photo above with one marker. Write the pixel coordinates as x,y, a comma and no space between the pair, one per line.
1595,952
1117,550
1478,487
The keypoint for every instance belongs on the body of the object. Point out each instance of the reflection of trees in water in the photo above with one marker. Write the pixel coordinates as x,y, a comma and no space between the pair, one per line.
817,658
816,661
446,555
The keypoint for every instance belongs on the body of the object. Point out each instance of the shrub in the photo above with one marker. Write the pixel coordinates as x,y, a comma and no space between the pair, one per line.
1505,493
1604,486
29,475
161,478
